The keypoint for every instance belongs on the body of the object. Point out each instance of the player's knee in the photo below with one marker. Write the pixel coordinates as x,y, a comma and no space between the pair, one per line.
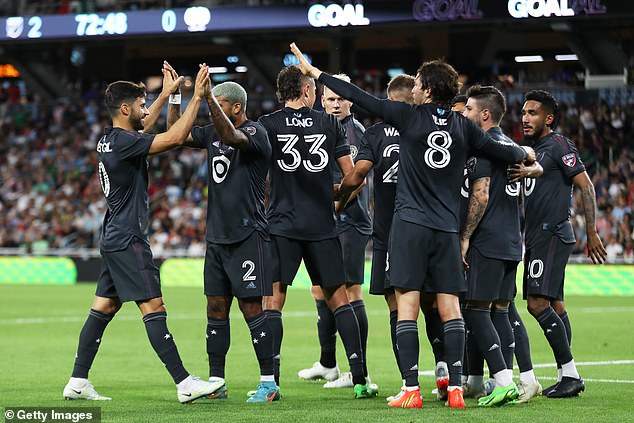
250,307
154,305
217,308
106,305
535,305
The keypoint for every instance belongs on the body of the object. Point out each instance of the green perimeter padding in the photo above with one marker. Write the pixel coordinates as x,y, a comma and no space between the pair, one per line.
581,279
37,271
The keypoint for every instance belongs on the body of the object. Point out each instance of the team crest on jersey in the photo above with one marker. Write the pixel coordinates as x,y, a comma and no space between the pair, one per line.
440,111
354,150
251,130
569,159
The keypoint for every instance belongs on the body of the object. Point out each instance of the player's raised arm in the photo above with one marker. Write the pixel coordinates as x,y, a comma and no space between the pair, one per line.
171,84
222,125
596,250
343,88
177,134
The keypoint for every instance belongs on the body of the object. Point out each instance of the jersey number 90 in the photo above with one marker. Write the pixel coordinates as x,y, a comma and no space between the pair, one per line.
292,157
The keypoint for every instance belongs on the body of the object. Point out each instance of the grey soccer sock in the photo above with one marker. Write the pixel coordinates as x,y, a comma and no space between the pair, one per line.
89,341
163,343
522,343
555,333
275,320
262,340
362,317
486,337
348,329
218,339
500,318
454,335
327,332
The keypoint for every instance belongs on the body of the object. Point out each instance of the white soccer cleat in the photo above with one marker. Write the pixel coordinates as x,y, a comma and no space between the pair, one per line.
193,388
344,381
319,372
527,391
82,391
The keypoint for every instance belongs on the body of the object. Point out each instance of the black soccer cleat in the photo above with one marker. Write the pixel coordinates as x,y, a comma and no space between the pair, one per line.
568,387
548,390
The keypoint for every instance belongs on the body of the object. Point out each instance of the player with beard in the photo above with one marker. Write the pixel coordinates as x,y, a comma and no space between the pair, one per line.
549,235
128,272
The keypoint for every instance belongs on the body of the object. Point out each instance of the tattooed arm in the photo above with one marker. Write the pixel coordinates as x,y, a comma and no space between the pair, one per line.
596,251
478,201
223,126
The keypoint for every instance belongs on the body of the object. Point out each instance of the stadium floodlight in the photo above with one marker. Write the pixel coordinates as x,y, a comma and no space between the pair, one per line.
241,69
566,57
529,59
217,69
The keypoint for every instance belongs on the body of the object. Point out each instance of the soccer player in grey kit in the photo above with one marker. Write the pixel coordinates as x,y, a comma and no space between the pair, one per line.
128,271
549,236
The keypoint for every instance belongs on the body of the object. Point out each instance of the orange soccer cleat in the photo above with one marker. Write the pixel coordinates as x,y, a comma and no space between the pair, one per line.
455,398
409,399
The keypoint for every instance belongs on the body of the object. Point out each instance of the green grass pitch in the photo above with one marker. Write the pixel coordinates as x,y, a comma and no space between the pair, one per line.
39,327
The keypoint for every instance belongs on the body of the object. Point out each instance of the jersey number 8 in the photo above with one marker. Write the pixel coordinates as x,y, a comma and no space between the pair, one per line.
437,155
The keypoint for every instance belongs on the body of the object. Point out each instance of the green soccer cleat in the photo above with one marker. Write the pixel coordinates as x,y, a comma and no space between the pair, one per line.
368,390
500,396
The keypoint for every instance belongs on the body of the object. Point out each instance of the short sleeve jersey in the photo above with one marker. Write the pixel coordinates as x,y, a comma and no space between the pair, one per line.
380,145
236,183
123,175
547,198
305,145
498,234
357,213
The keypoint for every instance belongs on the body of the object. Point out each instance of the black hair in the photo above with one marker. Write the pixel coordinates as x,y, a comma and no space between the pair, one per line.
549,104
442,78
122,92
289,83
489,97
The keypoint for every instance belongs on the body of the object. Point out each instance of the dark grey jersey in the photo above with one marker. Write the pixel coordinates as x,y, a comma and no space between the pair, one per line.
357,213
124,179
380,145
434,147
547,198
498,234
236,182
305,147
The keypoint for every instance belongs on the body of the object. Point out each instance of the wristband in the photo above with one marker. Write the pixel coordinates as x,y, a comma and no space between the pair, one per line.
175,99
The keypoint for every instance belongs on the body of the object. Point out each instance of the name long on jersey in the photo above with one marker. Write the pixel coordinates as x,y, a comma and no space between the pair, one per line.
498,234
380,145
547,198
305,145
236,183
123,175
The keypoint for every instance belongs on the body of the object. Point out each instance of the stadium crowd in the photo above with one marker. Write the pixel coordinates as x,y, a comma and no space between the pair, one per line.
50,196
